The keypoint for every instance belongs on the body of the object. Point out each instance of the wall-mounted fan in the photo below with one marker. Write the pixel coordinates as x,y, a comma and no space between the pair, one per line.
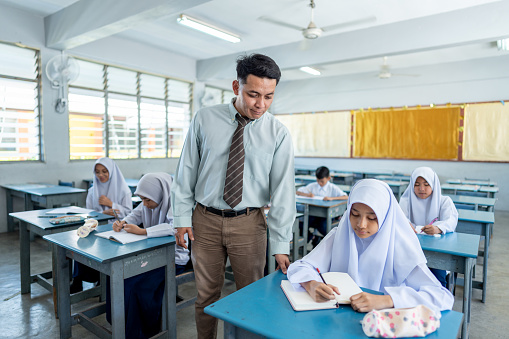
385,72
62,70
312,31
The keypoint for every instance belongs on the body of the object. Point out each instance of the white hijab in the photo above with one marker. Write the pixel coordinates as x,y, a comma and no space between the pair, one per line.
385,258
156,187
115,188
422,211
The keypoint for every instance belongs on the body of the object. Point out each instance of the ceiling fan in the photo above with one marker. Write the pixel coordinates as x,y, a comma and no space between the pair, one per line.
385,71
312,31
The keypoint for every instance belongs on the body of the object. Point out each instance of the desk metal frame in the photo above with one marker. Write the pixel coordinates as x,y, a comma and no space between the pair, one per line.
127,263
441,254
324,209
478,222
46,196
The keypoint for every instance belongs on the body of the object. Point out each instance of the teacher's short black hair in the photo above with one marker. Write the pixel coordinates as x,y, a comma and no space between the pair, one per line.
322,172
258,65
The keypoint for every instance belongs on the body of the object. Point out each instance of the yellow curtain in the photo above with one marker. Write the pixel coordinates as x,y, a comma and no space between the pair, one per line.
320,134
422,133
485,132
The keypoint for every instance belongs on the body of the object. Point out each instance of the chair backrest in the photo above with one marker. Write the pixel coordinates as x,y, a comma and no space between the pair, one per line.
66,183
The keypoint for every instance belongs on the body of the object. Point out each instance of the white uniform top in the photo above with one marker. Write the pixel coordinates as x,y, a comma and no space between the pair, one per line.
158,222
328,190
390,261
437,209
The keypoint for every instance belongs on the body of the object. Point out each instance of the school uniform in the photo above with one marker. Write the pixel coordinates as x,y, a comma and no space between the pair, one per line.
115,189
143,294
437,209
328,190
119,193
390,261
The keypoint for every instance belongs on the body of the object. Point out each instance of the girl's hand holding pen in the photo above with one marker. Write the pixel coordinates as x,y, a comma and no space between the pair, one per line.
118,225
320,292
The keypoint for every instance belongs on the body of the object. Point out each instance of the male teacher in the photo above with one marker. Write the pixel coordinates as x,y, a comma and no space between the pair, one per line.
236,159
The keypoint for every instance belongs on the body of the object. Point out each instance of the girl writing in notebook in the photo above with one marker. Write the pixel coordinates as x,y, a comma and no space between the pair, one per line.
427,209
375,246
109,192
144,292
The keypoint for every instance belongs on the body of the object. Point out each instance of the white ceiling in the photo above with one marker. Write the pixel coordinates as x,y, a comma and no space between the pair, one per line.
354,49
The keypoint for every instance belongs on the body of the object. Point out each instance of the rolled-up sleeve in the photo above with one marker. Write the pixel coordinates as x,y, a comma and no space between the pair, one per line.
282,191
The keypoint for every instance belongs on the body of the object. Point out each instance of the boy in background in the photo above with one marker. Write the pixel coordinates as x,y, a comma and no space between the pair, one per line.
321,188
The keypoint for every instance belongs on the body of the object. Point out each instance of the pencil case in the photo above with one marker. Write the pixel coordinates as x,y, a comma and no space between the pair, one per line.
400,322
88,227
66,220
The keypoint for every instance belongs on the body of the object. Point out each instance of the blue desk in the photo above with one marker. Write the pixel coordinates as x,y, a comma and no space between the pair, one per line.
43,195
119,262
395,177
472,182
456,252
478,222
29,221
132,183
478,203
321,208
475,190
262,310
397,187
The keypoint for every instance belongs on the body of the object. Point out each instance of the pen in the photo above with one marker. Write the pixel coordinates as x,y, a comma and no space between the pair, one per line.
321,276
116,217
432,221
46,216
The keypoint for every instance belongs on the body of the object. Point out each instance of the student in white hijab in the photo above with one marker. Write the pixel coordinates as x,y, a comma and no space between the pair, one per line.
427,209
109,191
375,246
144,293
424,205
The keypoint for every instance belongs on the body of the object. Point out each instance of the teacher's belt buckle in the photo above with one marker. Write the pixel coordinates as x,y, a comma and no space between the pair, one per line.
89,226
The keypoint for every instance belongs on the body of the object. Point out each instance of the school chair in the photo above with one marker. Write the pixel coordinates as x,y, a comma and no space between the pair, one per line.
182,278
66,183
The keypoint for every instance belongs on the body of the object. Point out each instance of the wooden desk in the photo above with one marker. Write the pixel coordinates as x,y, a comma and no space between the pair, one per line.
29,221
456,252
478,203
320,208
478,222
246,313
471,182
43,195
119,262
476,190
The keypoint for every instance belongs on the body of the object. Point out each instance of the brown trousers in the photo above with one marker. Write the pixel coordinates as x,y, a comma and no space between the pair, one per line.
243,239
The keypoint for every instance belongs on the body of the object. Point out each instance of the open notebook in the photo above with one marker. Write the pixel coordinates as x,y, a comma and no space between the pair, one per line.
302,301
122,237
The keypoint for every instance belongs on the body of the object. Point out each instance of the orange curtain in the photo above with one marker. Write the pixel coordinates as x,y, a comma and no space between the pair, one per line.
421,133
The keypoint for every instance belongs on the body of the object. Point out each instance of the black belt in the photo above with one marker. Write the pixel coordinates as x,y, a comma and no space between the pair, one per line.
230,213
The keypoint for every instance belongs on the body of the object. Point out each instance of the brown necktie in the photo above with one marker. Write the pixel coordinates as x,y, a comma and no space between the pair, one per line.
235,171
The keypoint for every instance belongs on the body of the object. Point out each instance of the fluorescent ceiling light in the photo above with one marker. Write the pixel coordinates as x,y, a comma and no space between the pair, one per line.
503,45
310,70
206,28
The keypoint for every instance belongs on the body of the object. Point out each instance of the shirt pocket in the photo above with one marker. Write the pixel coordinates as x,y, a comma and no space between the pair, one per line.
257,164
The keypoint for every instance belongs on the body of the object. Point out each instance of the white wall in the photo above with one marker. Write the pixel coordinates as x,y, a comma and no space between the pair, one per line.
470,81
17,26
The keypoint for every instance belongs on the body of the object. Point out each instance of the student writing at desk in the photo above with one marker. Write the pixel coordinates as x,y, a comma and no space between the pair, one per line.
109,192
375,246
144,292
321,188
427,209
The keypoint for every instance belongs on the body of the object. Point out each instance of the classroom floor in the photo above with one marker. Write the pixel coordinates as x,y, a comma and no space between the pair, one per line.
32,316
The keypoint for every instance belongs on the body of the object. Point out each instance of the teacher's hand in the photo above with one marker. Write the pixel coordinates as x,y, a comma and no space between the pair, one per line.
282,262
179,235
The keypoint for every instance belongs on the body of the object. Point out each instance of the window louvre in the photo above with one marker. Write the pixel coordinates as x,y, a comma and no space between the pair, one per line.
138,114
19,104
